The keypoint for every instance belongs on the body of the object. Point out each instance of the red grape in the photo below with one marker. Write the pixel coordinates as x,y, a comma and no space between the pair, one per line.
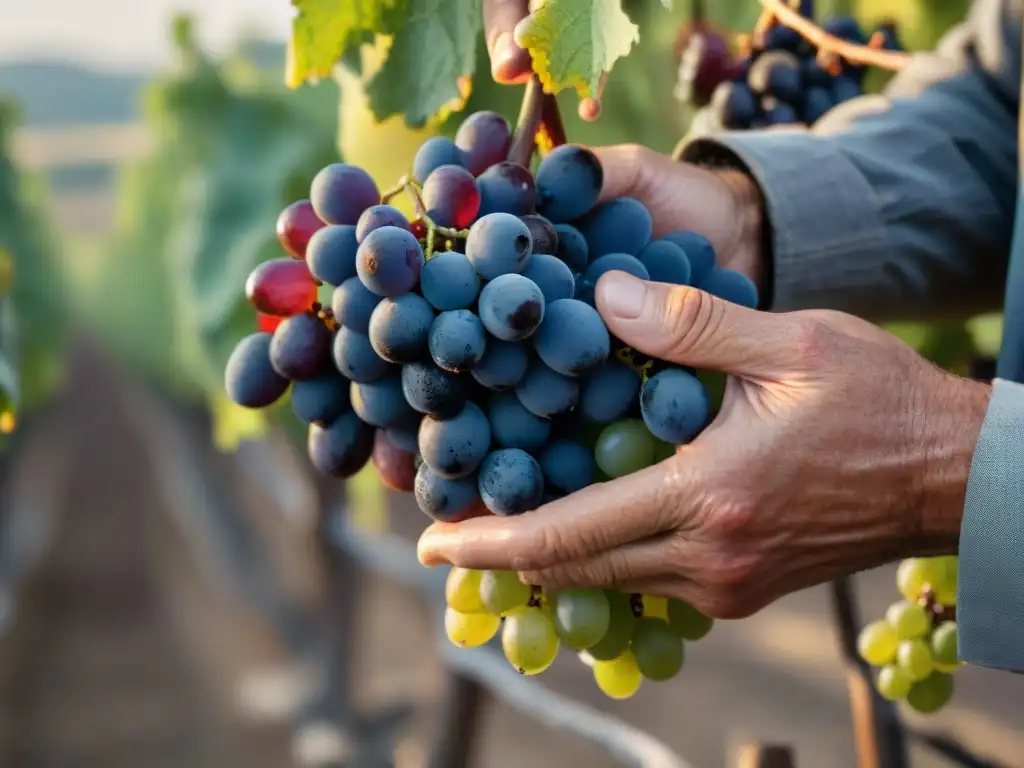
704,63
281,287
419,229
395,467
452,197
268,323
295,226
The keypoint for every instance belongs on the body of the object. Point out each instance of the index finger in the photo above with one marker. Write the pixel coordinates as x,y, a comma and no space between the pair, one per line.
583,524
510,63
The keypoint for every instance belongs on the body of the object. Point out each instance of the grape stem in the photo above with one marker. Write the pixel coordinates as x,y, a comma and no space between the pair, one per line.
828,45
414,189
524,141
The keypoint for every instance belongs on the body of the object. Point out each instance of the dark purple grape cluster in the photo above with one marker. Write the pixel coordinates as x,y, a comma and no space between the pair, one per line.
781,79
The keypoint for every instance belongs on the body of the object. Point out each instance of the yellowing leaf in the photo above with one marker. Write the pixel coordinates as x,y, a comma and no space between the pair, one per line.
431,60
574,42
323,29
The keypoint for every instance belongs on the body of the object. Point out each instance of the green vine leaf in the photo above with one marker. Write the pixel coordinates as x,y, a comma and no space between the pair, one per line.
574,43
323,30
431,62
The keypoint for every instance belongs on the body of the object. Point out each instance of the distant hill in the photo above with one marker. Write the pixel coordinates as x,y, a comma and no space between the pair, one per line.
57,93
53,93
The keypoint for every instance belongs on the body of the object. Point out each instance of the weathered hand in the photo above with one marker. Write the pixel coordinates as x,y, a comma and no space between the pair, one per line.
724,206
837,448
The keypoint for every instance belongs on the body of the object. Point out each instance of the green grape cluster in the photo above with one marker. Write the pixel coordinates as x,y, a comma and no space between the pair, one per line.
624,638
915,645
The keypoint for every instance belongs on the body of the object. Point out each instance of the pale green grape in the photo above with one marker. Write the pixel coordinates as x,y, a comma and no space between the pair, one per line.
908,619
501,591
893,683
911,577
915,658
462,591
581,617
620,628
468,630
529,640
655,606
624,447
618,678
687,622
877,643
931,694
663,450
944,574
945,646
658,650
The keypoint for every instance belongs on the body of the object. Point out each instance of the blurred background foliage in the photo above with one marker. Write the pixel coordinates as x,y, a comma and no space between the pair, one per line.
232,147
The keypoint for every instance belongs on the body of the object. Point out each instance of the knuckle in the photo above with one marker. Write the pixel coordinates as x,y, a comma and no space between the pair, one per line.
721,604
814,341
732,518
733,571
691,316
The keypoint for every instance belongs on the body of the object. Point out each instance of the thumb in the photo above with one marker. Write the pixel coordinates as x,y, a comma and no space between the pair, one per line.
683,325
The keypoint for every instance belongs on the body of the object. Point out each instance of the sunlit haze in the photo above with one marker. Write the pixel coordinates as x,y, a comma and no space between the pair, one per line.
127,33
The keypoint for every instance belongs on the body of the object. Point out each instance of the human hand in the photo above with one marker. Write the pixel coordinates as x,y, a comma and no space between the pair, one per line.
510,63
837,448
723,205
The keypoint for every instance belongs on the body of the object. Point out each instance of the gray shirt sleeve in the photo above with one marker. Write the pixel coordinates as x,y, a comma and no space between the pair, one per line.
898,206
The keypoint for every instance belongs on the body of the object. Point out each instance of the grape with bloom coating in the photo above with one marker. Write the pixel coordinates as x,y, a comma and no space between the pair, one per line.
624,447
529,640
462,590
687,622
658,650
620,628
581,617
470,630
618,678
931,694
502,591
877,643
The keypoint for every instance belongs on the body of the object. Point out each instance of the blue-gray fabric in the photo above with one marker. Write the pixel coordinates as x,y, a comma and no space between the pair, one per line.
905,206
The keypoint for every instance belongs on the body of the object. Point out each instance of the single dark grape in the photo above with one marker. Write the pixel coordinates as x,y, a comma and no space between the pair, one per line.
389,261
454,447
666,262
400,328
341,192
457,340
568,466
435,152
552,276
705,63
321,399
485,138
545,238
433,391
499,244
395,466
733,105
331,253
546,393
353,303
622,225
300,347
510,482
507,188
569,181
377,216
777,73
443,499
381,402
511,307
572,247
449,281
341,449
502,366
512,426
615,262
355,357
250,379
699,252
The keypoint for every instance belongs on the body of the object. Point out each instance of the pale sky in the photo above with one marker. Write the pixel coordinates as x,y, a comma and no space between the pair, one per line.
127,33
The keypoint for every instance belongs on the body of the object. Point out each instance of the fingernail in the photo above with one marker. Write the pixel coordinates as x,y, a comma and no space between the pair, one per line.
622,295
431,550
503,57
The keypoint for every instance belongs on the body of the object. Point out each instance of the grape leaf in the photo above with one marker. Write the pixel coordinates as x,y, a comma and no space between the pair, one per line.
430,63
323,30
574,43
